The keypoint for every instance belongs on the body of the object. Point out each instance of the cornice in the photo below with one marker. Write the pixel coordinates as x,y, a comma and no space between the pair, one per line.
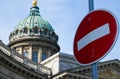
17,67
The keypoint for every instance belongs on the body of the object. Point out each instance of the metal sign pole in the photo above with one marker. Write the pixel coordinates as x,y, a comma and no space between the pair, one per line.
91,5
95,71
94,66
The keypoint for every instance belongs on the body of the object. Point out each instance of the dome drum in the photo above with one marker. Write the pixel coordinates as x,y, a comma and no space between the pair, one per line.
43,42
34,45
34,32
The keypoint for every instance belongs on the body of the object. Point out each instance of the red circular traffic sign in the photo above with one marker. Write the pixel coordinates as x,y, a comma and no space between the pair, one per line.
95,36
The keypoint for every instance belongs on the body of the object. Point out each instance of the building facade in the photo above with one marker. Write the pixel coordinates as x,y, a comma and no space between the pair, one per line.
33,53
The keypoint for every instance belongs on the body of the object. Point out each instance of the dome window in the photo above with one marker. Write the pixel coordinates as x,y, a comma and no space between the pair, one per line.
53,34
44,56
20,31
16,32
35,56
30,30
10,35
35,30
25,31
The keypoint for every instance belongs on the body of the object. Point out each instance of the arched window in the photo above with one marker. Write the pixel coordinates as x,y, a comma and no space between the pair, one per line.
16,32
44,56
35,56
25,31
20,31
35,30
25,54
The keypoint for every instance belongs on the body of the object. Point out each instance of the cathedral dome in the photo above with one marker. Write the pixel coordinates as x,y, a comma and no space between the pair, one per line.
35,36
33,25
34,20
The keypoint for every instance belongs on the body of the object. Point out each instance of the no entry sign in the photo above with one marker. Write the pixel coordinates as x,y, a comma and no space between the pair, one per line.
95,36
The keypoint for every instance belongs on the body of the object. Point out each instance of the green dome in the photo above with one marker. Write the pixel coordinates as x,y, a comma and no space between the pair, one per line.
33,26
34,20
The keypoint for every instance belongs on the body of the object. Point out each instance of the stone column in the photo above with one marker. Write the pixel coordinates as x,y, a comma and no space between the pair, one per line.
21,50
49,53
39,55
30,53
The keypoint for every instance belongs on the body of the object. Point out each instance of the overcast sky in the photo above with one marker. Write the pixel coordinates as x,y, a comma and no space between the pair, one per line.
63,15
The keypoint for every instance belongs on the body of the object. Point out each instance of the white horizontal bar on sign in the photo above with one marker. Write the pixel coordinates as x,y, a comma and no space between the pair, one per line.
93,35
